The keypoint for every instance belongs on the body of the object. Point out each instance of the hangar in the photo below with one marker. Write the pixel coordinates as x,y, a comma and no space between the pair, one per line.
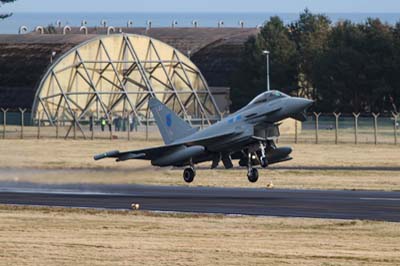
116,74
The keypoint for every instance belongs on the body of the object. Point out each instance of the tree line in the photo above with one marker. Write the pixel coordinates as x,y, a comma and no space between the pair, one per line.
346,66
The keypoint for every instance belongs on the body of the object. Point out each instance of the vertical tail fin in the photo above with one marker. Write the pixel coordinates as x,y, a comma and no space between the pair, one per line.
171,126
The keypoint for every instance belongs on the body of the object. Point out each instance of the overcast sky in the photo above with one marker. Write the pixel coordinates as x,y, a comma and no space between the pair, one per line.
278,6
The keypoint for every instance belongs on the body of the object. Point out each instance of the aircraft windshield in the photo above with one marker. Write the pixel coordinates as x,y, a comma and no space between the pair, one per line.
267,97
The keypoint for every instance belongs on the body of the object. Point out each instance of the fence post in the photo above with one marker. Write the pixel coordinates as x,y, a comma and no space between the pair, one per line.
375,127
295,131
147,125
317,115
22,121
202,120
57,127
38,125
74,127
129,126
337,115
356,116
4,121
395,119
110,124
92,124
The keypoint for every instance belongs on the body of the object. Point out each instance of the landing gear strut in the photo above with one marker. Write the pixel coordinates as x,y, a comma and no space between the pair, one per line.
252,173
189,173
263,158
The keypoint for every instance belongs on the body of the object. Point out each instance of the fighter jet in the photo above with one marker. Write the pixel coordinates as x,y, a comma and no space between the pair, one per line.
248,135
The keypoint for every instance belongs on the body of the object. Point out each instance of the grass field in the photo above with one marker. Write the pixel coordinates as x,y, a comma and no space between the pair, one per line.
58,236
60,161
43,236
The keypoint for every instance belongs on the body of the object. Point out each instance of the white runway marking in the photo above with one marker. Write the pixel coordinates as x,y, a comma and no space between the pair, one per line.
62,192
388,199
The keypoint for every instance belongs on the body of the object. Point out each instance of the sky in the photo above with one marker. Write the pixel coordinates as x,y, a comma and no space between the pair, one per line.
278,6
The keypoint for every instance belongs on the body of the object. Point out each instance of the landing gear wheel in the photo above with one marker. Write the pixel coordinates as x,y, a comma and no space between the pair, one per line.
252,175
188,175
264,162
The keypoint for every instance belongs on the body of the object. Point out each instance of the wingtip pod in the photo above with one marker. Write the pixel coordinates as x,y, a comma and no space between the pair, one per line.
106,155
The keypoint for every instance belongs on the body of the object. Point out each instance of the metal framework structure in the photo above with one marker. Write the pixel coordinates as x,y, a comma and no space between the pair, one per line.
117,74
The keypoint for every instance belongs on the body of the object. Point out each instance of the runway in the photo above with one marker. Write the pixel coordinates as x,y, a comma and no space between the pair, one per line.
364,205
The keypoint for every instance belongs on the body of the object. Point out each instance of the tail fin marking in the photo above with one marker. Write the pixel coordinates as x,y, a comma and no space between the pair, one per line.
171,126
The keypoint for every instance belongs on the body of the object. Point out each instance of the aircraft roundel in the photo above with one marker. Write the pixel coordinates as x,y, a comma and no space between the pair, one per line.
168,118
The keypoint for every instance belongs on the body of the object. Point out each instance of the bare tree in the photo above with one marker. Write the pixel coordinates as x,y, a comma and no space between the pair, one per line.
2,2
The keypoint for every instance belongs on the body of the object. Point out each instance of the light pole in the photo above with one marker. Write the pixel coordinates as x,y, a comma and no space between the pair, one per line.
267,55
53,55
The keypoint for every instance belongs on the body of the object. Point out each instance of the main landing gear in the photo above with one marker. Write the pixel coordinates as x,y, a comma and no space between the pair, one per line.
252,173
189,173
263,158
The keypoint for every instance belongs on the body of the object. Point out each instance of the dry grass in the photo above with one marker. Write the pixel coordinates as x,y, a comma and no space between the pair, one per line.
59,161
291,179
42,236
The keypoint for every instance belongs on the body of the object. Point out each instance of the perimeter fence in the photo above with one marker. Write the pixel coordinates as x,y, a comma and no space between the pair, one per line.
333,128
347,129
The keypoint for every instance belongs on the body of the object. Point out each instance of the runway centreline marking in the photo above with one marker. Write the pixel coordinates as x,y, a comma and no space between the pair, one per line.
389,199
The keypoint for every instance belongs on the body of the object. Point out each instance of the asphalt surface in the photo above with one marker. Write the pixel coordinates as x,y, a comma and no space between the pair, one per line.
364,205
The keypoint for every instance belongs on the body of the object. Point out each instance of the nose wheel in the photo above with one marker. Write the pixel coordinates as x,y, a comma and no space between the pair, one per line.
252,175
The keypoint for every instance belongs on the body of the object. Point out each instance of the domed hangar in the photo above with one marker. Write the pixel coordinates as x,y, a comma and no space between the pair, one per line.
116,75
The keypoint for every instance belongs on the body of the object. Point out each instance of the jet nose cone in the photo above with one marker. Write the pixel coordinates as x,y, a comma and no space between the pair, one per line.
307,103
297,108
302,104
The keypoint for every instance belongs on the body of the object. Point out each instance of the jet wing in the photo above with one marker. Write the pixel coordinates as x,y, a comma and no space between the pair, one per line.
145,154
209,139
156,152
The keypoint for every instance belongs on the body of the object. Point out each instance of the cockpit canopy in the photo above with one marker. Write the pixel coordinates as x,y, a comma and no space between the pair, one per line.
267,97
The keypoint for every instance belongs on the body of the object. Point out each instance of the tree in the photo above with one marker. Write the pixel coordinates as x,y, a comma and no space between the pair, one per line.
2,2
346,67
251,77
248,80
309,33
379,50
358,69
394,98
274,37
339,71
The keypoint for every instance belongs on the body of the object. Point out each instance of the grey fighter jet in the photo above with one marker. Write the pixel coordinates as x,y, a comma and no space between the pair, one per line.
248,135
